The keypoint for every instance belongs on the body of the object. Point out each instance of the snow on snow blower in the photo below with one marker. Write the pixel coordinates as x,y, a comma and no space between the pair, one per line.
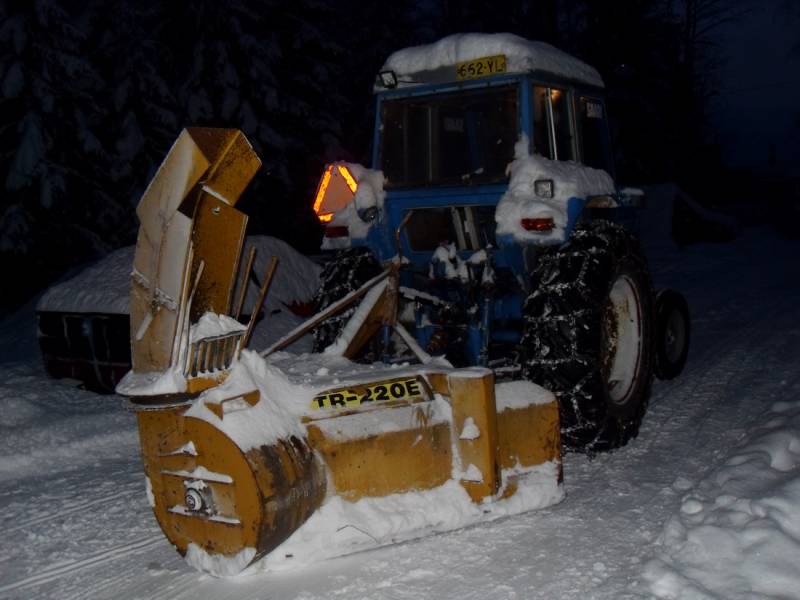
279,459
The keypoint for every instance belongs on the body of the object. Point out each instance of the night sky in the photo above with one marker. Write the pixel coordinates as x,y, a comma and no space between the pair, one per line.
759,102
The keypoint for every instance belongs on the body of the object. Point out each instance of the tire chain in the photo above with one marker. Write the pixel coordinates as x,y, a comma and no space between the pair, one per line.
561,337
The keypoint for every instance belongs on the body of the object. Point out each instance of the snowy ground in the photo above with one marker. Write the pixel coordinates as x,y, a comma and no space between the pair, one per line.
704,503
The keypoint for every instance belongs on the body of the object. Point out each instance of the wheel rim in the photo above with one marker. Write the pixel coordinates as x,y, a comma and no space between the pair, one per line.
622,332
674,337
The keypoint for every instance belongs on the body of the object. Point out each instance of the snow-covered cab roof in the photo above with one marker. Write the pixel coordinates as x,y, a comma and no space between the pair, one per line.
457,57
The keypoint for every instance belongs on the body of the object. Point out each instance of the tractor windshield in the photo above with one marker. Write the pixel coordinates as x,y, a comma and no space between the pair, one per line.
463,137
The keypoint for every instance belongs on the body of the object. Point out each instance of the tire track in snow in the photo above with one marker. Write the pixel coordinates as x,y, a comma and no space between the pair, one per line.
56,572
728,347
703,388
699,396
159,574
733,305
76,448
63,513
704,392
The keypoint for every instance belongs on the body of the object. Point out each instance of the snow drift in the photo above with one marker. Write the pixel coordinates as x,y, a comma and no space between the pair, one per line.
737,533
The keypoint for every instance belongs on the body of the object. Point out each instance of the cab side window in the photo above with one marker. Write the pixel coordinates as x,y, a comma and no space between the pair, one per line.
552,123
594,133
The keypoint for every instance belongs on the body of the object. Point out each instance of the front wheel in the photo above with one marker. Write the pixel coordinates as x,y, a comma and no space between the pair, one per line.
674,331
589,335
346,272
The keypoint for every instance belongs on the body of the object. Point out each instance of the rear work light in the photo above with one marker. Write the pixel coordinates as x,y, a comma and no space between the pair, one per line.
388,79
538,224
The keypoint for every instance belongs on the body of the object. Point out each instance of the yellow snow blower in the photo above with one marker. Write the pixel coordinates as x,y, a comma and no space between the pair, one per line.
282,458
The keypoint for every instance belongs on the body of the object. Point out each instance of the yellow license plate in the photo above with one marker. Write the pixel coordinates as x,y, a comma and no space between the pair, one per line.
404,388
481,67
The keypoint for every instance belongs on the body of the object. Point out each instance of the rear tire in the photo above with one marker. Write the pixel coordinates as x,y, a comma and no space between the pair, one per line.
346,272
588,335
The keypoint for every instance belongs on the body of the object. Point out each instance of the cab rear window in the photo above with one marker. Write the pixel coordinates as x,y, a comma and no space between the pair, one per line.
449,139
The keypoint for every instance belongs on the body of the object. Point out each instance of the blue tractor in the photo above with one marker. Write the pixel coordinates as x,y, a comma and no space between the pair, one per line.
493,190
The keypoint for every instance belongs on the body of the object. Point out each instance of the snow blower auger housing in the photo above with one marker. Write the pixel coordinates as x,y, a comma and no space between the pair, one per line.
493,178
249,456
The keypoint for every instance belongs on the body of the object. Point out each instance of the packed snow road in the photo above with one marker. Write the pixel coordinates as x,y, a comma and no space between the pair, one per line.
76,524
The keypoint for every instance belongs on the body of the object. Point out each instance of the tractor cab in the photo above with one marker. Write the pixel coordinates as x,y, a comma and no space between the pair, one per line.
450,119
